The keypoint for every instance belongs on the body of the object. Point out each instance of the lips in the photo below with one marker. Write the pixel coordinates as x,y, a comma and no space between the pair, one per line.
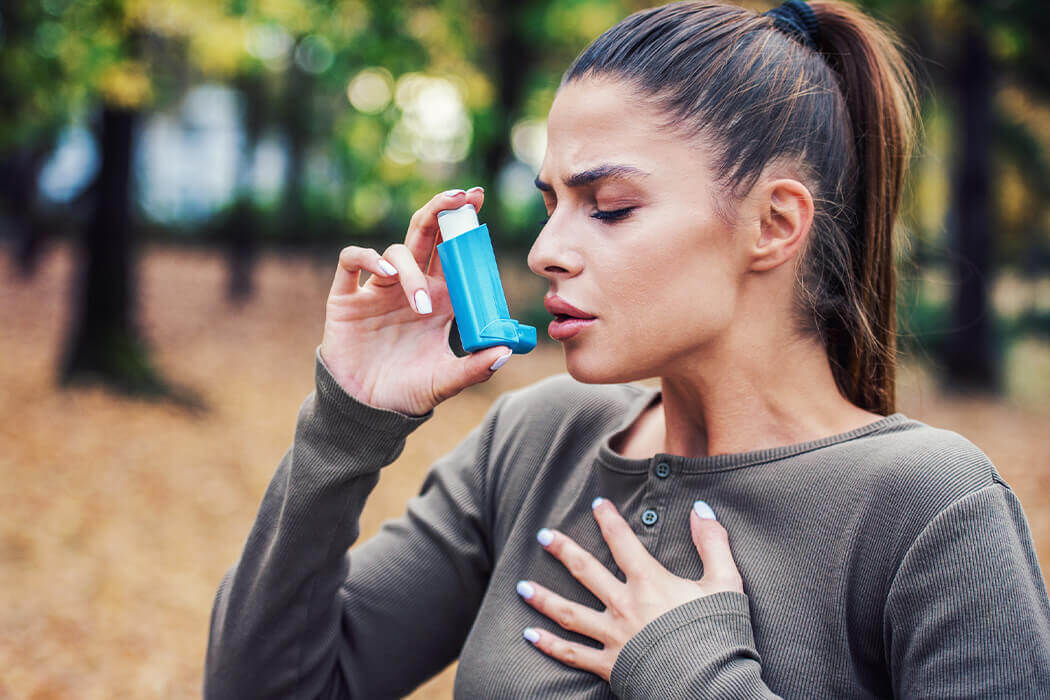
563,310
568,320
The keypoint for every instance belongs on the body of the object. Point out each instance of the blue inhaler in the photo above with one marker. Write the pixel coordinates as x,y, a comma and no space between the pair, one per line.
474,286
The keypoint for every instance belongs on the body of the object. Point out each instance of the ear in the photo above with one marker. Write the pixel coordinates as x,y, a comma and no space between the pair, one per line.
785,218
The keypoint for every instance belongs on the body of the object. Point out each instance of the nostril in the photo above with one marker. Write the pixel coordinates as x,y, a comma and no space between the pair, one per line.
554,269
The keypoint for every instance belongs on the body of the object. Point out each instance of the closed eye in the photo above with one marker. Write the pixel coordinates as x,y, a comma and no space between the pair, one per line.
615,215
600,214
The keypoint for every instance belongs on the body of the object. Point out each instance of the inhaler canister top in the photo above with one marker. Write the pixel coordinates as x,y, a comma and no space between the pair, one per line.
453,222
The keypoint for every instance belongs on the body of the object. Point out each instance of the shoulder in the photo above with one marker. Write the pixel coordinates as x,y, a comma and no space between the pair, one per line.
917,470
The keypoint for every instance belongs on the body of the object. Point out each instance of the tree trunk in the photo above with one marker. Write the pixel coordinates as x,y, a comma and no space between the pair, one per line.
969,353
240,231
513,57
104,345
18,178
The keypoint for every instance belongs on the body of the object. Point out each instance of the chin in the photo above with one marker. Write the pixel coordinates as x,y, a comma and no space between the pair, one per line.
601,367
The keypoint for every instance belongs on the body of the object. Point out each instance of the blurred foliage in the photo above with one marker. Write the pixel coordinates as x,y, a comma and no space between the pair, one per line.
378,105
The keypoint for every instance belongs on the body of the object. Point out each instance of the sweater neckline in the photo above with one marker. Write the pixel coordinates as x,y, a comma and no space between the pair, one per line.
720,462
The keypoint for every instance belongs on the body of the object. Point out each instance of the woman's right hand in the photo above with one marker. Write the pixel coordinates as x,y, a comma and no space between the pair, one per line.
382,342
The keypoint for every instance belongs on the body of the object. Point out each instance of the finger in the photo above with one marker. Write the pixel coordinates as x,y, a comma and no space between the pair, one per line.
630,554
476,196
569,615
353,259
435,269
477,367
570,653
413,282
712,542
583,566
423,226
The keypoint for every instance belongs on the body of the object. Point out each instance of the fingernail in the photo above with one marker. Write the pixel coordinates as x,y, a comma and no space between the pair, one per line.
545,536
479,188
704,510
453,193
596,502
531,635
500,361
387,267
423,302
525,589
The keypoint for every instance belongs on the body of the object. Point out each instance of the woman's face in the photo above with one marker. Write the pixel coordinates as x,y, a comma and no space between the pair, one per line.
632,239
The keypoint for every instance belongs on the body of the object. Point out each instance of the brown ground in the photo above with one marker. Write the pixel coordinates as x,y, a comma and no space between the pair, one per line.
120,516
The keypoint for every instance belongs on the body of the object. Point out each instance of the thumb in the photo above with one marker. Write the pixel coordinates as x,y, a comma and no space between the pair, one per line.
473,369
712,543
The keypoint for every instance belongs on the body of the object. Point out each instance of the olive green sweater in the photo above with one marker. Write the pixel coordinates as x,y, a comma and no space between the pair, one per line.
891,560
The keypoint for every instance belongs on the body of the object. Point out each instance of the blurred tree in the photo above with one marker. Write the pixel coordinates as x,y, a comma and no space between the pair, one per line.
970,50
969,353
32,111
105,343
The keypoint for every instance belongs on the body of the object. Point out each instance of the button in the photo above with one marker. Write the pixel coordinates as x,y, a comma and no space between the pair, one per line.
649,516
663,469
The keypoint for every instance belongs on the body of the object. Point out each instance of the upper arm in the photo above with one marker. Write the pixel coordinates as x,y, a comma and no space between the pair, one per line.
967,612
413,590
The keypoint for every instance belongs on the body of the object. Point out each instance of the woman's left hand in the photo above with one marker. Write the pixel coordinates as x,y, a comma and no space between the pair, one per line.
649,591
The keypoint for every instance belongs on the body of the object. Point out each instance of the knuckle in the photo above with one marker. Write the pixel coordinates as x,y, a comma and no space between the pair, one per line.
348,254
570,656
566,617
575,564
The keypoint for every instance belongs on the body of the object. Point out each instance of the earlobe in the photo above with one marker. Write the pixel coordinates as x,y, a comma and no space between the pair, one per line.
784,222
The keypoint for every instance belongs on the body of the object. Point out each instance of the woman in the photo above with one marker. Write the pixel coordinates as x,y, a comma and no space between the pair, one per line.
722,188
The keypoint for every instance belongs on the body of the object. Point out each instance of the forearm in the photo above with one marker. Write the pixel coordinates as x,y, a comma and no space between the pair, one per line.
702,649
275,622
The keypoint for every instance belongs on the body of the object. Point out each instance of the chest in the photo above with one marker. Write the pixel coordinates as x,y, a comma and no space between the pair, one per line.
796,564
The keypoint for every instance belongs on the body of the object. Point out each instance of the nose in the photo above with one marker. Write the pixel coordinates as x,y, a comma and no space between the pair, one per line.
549,256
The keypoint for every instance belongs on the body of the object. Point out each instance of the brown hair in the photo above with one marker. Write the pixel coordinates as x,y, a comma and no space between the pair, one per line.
843,115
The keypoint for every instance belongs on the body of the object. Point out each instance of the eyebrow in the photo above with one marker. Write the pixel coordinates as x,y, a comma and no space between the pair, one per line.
608,171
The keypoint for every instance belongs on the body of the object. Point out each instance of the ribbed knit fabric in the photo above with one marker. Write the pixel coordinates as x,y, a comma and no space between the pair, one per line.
889,561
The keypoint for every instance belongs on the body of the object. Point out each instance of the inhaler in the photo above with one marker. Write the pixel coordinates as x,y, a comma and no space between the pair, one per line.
474,286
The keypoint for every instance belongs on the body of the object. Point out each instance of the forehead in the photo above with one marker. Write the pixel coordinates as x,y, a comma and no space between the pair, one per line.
595,121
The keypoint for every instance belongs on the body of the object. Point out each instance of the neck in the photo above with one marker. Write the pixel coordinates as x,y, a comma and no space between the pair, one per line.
753,396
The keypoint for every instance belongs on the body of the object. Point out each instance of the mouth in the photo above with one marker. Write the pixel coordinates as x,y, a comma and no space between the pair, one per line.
564,311
568,320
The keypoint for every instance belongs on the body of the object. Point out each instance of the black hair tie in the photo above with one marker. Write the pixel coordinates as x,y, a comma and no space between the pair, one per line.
797,19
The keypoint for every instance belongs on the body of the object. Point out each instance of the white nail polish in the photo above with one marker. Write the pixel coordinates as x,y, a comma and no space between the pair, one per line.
545,537
531,635
453,193
387,267
525,589
423,302
704,510
596,502
500,361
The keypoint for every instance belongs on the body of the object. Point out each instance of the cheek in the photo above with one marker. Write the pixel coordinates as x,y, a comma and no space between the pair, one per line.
678,299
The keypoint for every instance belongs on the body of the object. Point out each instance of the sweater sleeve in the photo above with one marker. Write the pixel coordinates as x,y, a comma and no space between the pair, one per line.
301,616
967,614
701,649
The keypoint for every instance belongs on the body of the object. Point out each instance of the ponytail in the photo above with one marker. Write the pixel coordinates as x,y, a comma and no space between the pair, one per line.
846,113
881,101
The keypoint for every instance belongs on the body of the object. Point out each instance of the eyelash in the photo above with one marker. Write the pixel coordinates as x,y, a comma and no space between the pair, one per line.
615,215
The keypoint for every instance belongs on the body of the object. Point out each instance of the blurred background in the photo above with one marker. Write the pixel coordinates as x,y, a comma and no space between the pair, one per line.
177,178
